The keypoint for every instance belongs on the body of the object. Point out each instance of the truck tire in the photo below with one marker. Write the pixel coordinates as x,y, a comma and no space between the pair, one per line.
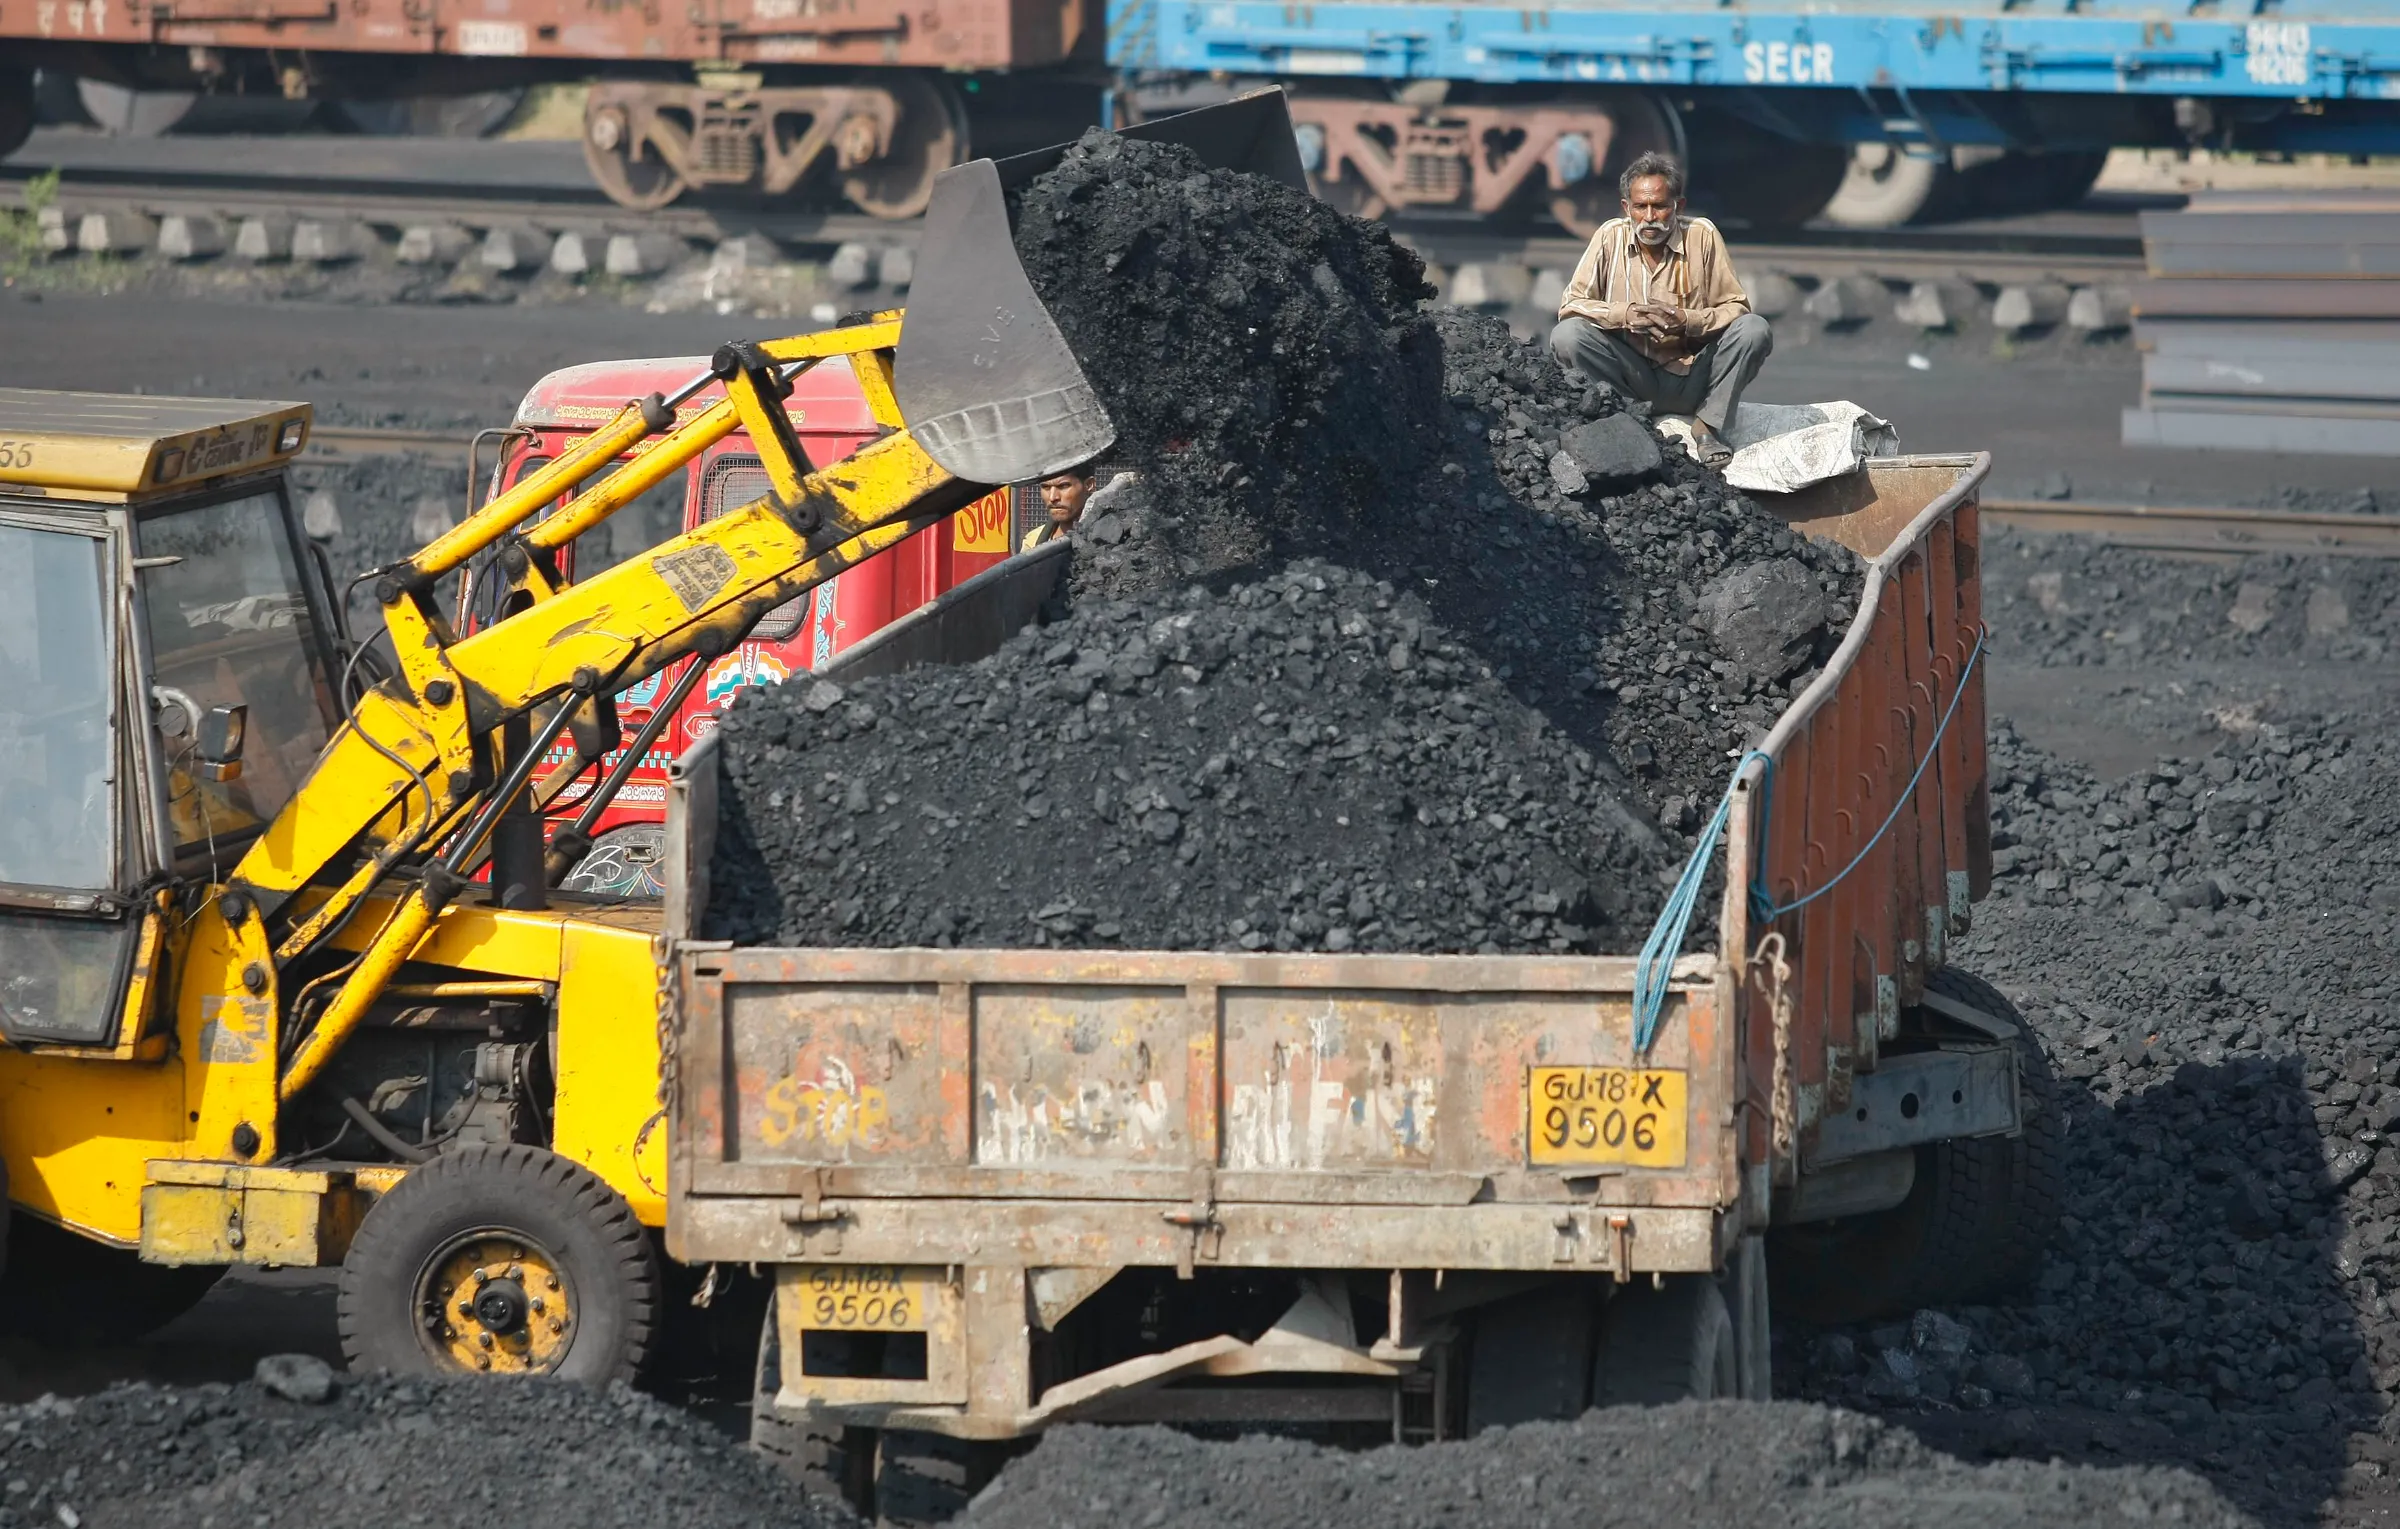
2012,1199
1531,1359
1975,1222
63,1290
834,1462
464,1265
928,1478
1672,1343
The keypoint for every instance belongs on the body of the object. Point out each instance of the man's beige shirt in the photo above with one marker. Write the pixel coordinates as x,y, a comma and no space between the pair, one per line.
1697,277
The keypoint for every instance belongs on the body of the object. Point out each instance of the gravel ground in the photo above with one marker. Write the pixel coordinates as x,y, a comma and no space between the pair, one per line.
1699,1464
2061,601
314,1449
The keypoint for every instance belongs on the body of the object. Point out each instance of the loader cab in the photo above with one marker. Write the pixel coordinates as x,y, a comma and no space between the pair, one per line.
171,656
830,416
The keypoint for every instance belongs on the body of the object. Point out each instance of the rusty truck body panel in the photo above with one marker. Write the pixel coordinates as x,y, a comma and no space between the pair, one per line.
980,1140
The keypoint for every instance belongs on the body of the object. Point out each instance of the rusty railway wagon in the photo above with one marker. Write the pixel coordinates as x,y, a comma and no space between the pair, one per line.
862,101
1414,1195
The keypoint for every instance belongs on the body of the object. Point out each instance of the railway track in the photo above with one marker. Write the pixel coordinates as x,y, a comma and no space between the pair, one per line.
2213,530
534,183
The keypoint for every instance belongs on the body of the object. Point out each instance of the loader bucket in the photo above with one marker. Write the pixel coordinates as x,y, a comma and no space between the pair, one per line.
987,383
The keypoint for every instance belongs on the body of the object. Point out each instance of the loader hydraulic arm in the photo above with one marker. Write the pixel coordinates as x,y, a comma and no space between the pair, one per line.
413,784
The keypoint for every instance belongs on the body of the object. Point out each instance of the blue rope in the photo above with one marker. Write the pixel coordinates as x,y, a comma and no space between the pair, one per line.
1657,961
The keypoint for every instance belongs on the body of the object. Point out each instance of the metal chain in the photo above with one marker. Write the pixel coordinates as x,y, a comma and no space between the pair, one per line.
662,951
1783,1113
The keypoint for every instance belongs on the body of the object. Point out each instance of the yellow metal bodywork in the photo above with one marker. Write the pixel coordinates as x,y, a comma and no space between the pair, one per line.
164,1141
107,447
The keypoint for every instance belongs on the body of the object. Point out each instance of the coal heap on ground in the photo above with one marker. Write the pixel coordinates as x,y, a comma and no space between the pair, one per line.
1305,762
1708,1465
1611,620
314,1448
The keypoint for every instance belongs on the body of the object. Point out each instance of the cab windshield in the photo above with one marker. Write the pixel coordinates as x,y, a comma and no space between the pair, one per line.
56,745
230,624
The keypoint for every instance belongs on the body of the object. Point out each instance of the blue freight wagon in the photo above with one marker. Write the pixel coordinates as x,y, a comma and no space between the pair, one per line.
1868,114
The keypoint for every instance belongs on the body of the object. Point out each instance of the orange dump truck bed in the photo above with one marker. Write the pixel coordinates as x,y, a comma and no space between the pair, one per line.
1018,1151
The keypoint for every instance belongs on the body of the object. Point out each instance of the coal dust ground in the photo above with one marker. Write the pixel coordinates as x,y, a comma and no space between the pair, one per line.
313,1449
2197,819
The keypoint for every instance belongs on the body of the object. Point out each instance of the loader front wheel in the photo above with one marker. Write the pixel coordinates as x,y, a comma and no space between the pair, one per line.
501,1260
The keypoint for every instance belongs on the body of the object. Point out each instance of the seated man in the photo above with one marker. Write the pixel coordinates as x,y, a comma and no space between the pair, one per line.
1063,495
1655,311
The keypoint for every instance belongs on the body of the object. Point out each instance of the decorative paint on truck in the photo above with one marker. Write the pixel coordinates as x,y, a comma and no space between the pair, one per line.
830,416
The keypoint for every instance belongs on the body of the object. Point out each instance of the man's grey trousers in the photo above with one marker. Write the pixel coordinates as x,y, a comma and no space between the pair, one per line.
1713,387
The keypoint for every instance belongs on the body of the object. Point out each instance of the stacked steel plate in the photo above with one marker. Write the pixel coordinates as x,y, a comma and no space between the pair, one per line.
2271,322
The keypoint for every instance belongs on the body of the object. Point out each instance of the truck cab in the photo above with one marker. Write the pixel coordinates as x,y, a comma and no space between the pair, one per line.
830,416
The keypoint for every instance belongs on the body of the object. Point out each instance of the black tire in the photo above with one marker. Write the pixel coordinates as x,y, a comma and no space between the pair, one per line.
835,1462
1531,1359
1974,1225
928,1478
518,1231
63,1290
1674,1343
2019,1182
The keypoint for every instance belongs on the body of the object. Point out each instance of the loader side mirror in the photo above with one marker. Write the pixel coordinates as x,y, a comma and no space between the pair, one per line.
217,747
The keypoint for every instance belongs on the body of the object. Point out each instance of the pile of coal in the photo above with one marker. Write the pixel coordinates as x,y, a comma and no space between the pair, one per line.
1306,762
302,1447
2069,601
1604,624
1712,1465
1266,359
2205,947
1281,392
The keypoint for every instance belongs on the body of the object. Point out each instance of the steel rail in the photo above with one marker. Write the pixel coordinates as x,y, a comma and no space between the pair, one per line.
2235,532
1997,253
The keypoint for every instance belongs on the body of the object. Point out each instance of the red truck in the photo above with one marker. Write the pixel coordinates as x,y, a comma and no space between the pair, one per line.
829,414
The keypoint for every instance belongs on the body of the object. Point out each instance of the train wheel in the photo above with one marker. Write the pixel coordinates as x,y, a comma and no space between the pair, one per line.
624,161
16,109
1886,187
125,113
1644,123
501,1261
928,136
1784,186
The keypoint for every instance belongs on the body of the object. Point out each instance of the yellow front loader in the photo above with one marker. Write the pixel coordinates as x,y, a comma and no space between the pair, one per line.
284,978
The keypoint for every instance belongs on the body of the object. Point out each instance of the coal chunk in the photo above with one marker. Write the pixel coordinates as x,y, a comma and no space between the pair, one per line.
1766,618
1615,453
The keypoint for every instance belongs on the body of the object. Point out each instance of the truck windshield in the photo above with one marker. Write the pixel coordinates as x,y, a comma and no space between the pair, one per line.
230,625
56,748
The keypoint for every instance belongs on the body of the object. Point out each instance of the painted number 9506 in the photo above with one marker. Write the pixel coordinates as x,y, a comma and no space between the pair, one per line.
1631,1115
862,1298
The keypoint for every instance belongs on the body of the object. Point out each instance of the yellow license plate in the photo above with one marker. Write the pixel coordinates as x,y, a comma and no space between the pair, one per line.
864,1298
1631,1115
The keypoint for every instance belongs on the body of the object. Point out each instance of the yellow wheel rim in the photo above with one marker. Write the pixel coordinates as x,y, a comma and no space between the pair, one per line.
495,1302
